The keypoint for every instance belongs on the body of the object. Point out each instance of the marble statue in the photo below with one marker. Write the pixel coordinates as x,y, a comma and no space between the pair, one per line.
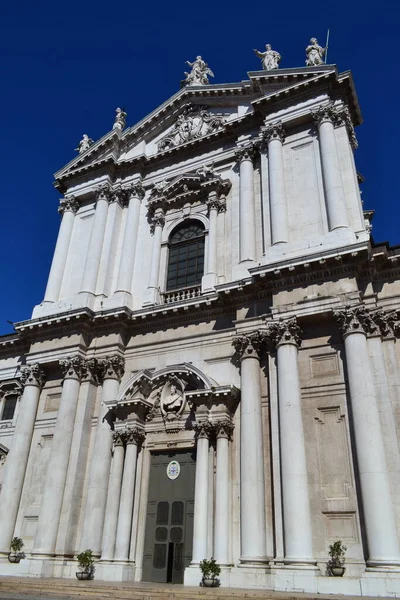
84,144
192,123
206,171
270,59
120,119
199,73
172,399
314,53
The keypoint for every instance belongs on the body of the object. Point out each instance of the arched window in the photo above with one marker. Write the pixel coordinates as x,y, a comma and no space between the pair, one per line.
186,256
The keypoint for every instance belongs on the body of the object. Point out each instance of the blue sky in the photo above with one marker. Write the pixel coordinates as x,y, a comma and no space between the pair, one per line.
66,66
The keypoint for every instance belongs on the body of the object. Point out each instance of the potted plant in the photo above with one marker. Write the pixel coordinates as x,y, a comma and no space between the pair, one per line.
86,565
16,553
335,564
210,570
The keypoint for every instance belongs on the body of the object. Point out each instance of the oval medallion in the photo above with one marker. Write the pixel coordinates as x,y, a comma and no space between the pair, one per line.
173,469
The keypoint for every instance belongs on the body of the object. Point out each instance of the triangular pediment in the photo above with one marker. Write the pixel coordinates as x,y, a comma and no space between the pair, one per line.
196,114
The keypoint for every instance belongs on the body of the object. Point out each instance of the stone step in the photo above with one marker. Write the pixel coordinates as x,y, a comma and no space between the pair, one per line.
71,589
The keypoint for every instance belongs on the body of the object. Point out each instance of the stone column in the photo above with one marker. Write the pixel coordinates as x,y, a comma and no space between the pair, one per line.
200,520
96,497
215,205
135,194
274,136
110,244
296,503
103,195
252,485
134,439
379,513
247,214
68,208
153,290
74,369
113,498
17,459
326,117
222,518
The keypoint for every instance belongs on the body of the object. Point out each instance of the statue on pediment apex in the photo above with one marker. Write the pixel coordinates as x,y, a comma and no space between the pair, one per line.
199,73
84,144
314,53
120,119
270,59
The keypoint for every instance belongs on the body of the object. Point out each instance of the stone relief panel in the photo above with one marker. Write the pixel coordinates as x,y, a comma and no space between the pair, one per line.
52,402
341,526
335,475
323,365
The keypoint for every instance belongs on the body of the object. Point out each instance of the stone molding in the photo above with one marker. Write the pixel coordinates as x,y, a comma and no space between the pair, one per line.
69,203
203,429
284,331
223,428
217,202
273,131
247,151
113,366
249,345
33,375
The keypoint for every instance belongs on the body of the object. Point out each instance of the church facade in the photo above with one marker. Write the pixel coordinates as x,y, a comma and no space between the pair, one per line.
214,368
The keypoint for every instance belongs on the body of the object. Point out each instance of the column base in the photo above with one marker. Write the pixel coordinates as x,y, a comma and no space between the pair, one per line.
118,300
253,561
383,564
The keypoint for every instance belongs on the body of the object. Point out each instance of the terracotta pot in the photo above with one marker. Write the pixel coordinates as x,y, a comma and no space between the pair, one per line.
338,571
14,557
82,575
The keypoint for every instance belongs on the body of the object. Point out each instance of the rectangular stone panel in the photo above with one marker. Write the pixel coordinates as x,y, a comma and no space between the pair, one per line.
341,526
323,365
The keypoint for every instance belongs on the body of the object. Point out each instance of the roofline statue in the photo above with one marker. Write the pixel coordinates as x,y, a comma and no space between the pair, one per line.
270,59
199,73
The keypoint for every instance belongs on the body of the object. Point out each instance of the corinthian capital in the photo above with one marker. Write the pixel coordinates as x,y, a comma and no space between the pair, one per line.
386,322
33,375
216,202
135,435
73,367
202,429
223,429
113,367
135,190
104,192
247,151
325,113
249,344
92,370
284,332
273,131
68,204
157,219
355,320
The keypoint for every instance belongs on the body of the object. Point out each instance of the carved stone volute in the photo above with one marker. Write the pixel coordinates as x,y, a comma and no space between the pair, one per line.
73,367
104,192
223,429
355,320
203,429
216,202
247,151
113,367
273,131
68,204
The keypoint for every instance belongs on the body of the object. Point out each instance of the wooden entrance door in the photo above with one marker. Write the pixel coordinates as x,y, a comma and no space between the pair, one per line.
169,521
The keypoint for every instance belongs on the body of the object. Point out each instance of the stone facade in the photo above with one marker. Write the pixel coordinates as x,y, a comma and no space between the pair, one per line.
278,364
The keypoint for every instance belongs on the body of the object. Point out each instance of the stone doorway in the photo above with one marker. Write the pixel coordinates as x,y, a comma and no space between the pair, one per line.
169,520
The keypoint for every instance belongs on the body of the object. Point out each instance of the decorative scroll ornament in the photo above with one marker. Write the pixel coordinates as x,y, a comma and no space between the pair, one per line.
155,408
120,119
327,112
113,367
199,73
157,219
69,203
387,322
118,438
135,435
273,131
250,344
193,123
33,375
203,429
270,59
84,144
314,53
355,320
247,151
284,332
223,428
